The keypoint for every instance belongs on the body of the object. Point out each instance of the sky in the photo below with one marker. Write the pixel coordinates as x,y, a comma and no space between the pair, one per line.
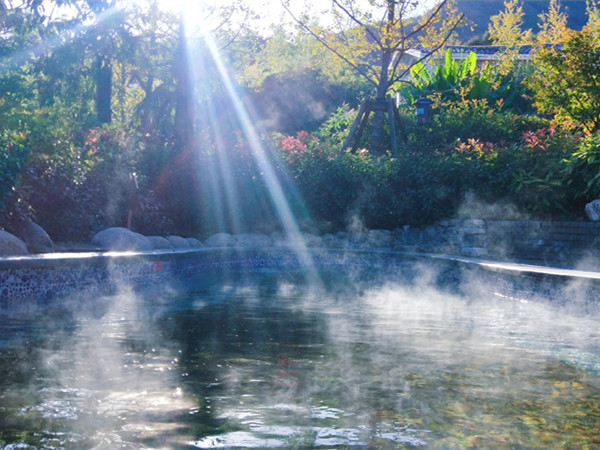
272,12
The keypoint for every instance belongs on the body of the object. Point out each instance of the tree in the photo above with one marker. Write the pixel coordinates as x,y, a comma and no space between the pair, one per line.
553,24
567,82
506,26
378,49
593,13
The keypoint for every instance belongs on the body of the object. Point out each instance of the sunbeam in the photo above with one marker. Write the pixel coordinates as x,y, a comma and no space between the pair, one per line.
198,33
41,48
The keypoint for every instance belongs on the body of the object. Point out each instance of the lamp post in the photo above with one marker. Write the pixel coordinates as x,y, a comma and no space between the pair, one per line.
424,111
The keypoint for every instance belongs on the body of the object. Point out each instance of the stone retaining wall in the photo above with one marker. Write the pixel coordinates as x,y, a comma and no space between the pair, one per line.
532,241
544,241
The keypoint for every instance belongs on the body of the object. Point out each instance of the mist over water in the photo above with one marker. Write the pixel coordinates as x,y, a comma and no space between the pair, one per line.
270,362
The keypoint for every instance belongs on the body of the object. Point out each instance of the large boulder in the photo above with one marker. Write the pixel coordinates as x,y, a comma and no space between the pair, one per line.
194,243
10,245
379,238
178,242
592,210
160,243
311,240
36,238
118,238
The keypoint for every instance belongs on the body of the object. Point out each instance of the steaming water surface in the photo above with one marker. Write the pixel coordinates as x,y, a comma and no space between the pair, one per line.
270,363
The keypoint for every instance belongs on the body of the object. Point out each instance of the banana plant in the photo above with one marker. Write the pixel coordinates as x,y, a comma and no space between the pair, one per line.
447,79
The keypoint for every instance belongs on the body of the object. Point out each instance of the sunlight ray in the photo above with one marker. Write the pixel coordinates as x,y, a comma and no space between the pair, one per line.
41,48
274,187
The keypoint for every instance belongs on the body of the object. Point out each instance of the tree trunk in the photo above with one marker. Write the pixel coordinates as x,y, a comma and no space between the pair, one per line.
378,124
103,89
183,102
380,107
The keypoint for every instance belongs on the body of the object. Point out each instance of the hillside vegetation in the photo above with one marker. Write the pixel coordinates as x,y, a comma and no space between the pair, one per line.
478,12
114,116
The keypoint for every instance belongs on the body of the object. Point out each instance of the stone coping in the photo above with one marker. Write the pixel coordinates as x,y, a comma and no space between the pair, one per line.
519,267
40,278
71,258
90,257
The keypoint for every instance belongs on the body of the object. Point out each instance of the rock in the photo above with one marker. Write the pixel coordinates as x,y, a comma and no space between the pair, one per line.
358,239
379,238
178,242
279,240
475,252
399,238
473,227
36,238
312,240
334,241
592,210
118,238
473,233
10,245
160,243
220,240
412,236
194,243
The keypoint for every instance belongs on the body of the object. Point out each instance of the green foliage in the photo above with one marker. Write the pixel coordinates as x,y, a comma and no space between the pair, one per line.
538,182
470,149
13,157
75,190
296,63
506,27
453,82
457,122
567,83
335,129
445,79
58,166
583,169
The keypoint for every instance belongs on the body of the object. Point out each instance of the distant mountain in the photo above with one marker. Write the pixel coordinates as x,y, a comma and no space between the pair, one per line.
478,12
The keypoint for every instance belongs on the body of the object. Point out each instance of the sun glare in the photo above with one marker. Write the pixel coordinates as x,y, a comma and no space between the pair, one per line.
203,49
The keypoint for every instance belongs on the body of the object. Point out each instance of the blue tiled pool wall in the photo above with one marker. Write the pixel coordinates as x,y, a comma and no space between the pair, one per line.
43,280
39,282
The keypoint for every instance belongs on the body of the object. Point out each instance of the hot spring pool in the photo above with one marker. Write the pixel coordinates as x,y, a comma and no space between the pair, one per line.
270,362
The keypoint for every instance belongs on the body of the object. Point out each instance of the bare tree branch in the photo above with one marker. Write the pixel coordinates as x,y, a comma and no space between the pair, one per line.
360,69
353,17
430,19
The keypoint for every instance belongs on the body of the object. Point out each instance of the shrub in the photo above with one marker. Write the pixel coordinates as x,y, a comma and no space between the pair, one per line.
582,172
76,189
520,162
13,156
468,119
566,83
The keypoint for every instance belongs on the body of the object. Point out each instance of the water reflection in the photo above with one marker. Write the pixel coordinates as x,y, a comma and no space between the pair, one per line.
104,380
270,363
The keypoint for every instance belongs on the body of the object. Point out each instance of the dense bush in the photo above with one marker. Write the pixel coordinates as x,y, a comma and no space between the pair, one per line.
566,83
457,122
583,170
13,157
77,187
73,185
468,150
